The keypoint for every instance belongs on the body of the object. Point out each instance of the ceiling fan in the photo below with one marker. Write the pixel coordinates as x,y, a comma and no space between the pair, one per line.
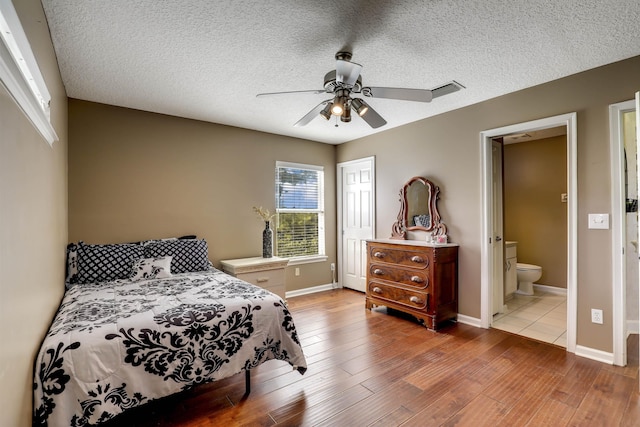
346,81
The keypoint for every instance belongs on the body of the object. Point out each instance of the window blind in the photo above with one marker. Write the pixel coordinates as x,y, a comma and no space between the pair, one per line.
300,209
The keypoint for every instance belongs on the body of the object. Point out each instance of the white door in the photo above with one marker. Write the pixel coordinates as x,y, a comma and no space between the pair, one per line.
638,151
497,243
357,220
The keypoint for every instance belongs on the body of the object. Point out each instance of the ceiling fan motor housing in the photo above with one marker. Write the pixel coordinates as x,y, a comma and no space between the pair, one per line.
331,85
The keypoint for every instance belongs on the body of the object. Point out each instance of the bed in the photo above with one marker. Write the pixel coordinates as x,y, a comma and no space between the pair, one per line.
142,321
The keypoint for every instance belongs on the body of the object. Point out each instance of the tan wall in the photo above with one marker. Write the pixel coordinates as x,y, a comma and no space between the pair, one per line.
33,226
136,175
535,177
446,149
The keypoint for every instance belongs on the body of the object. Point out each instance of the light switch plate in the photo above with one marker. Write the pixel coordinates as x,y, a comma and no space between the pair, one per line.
599,221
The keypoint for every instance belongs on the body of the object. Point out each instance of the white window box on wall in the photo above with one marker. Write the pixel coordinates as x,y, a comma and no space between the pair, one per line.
20,75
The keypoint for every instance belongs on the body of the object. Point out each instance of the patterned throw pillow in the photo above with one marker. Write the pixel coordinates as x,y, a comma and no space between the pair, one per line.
104,263
72,265
188,255
152,268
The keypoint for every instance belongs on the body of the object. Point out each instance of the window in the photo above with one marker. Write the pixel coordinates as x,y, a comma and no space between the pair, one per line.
20,74
300,209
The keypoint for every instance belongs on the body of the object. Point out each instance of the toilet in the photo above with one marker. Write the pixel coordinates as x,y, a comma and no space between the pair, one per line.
527,274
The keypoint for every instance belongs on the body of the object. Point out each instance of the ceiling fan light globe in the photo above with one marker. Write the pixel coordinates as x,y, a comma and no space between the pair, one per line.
336,109
326,111
360,106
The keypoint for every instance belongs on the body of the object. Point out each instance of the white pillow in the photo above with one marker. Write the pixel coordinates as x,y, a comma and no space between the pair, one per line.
152,268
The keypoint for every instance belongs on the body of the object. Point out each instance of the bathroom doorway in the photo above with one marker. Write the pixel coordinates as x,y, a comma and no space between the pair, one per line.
534,222
491,270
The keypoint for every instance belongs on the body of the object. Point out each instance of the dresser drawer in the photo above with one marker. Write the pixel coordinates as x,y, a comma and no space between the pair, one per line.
402,257
413,299
265,279
414,278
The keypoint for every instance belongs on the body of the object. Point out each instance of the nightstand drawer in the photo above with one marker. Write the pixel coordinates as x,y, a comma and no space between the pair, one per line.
272,280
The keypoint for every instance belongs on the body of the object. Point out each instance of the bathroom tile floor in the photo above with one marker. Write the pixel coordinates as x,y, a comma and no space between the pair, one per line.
541,316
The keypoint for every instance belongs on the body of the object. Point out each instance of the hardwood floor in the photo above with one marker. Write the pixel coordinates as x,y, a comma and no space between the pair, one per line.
375,369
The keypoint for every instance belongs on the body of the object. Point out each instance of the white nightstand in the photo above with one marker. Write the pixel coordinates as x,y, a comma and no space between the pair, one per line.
268,273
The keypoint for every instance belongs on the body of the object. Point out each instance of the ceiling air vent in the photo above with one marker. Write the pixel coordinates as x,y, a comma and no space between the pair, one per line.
454,86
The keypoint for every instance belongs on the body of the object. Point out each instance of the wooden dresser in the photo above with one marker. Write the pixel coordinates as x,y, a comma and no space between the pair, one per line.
414,277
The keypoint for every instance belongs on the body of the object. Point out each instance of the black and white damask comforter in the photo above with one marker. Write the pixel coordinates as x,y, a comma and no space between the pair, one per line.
117,345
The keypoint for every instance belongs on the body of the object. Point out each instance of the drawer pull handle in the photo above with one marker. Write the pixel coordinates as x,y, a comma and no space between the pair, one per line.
377,290
414,299
378,271
416,279
379,254
416,258
262,279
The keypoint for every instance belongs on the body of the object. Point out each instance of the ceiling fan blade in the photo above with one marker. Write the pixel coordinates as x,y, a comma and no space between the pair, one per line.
315,112
347,72
418,95
316,91
372,118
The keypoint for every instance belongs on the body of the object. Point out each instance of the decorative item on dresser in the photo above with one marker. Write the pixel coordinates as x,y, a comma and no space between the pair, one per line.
415,277
268,273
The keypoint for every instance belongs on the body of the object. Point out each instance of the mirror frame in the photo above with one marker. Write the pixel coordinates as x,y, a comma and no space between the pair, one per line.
400,228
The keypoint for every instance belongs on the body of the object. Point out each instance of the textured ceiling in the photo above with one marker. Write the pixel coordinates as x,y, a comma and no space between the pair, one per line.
207,60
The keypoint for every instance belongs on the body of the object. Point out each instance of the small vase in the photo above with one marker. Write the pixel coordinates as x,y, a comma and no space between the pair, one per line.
267,240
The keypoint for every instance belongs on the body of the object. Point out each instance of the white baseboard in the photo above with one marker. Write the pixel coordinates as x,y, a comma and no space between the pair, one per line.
593,354
311,290
550,289
468,320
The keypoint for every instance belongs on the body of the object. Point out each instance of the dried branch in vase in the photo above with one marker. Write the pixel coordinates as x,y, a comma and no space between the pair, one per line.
263,213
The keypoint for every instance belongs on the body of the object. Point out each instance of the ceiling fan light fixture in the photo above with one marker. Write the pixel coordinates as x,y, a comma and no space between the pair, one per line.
326,111
337,106
346,114
360,106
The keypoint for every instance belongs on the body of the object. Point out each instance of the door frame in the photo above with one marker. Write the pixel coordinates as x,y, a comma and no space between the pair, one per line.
498,218
486,257
339,230
618,231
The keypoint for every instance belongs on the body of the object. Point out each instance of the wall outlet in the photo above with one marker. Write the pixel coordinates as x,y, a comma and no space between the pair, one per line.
297,271
596,316
333,266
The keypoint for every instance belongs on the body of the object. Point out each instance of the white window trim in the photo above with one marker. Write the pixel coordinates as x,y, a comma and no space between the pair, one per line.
307,259
321,257
20,75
